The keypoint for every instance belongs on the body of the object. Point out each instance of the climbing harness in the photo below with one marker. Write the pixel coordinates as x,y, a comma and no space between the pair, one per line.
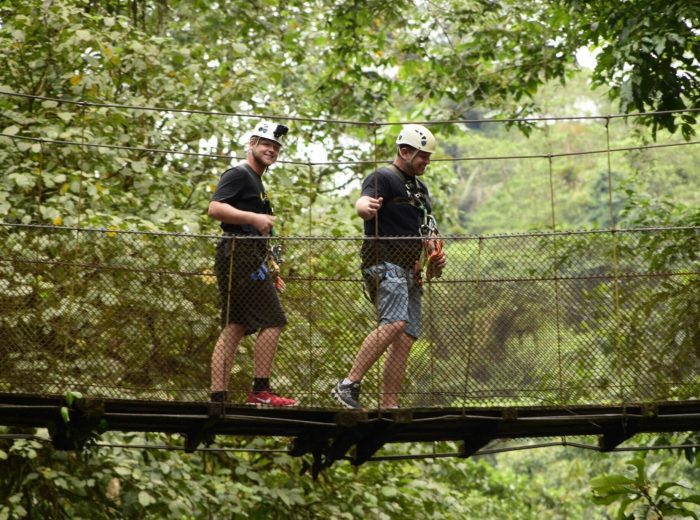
273,261
432,248
432,254
270,265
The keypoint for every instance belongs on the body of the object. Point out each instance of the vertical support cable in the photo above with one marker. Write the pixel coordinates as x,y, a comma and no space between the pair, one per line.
376,259
431,335
472,342
40,180
555,274
82,163
74,312
83,151
607,153
616,270
309,282
228,352
376,179
40,184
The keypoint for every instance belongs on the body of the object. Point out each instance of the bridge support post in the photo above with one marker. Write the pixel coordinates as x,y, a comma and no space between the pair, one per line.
204,434
614,435
79,422
472,444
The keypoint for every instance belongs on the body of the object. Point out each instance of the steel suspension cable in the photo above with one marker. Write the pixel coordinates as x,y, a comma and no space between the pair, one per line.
345,121
347,162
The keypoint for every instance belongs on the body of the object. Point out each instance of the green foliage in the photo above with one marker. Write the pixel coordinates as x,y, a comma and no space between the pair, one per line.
370,61
492,195
70,398
367,61
644,497
122,482
83,333
648,52
132,483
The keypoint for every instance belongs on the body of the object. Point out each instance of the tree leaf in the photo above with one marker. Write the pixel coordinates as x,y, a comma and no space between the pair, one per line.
603,482
389,491
146,499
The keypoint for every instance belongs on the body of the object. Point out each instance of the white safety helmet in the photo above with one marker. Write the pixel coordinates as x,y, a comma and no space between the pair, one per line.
269,130
417,136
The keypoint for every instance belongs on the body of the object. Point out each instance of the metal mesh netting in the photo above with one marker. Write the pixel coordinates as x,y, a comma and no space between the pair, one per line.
533,319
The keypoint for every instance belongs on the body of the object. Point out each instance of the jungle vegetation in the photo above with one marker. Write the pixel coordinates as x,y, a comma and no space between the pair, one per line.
336,69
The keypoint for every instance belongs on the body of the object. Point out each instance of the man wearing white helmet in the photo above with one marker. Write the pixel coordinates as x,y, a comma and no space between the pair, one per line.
249,299
393,203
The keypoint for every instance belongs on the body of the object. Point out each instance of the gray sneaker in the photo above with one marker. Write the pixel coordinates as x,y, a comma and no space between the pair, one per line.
347,394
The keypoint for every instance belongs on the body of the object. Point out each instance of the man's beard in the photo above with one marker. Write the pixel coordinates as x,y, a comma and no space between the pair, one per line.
260,158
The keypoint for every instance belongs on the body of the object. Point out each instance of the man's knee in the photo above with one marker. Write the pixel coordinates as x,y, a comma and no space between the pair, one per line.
277,329
395,327
233,329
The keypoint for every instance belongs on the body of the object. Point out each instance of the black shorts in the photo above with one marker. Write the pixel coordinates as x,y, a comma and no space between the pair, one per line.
244,298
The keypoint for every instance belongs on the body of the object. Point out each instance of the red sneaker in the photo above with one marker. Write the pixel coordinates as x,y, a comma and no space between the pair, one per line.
267,398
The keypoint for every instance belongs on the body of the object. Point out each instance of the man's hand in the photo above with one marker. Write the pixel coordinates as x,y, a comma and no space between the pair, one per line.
440,262
262,222
436,260
230,215
367,207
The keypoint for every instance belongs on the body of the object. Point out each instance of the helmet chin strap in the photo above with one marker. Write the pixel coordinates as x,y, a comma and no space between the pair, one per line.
409,162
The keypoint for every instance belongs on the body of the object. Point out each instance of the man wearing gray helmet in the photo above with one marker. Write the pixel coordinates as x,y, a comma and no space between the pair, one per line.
249,301
394,203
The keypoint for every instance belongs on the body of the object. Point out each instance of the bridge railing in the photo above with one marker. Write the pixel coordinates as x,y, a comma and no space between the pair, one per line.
531,319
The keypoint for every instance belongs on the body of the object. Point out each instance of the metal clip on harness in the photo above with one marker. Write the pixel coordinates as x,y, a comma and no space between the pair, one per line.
432,248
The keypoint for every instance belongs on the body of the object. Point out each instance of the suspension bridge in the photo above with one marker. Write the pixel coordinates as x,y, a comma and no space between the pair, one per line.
526,335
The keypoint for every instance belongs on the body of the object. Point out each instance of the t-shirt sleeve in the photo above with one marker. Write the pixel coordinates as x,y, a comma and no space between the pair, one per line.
375,185
231,184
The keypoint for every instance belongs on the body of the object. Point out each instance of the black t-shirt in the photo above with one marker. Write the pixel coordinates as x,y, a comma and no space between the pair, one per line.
406,201
243,189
